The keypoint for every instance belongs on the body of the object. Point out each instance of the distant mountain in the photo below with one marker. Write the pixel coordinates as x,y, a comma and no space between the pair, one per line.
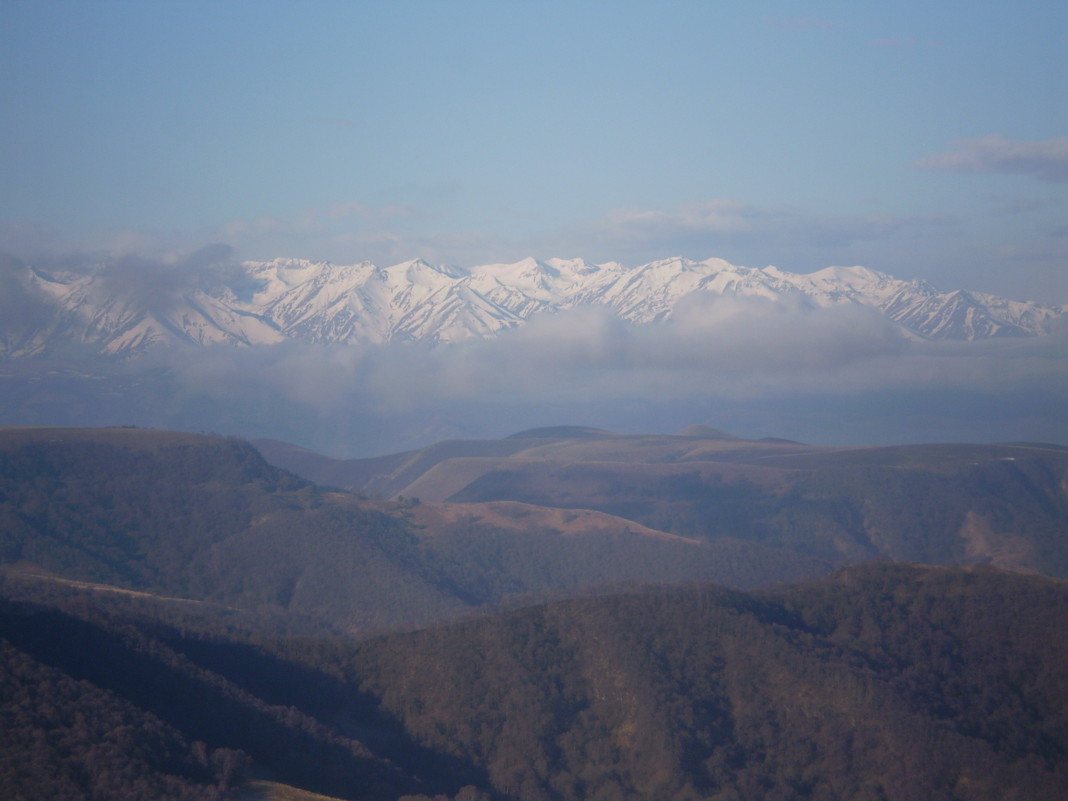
262,303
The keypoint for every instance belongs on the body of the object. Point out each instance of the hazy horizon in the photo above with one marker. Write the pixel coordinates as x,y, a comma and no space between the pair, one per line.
170,140
923,142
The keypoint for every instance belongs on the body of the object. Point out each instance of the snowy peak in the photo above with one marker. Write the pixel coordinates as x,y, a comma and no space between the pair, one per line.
418,272
855,277
95,308
319,302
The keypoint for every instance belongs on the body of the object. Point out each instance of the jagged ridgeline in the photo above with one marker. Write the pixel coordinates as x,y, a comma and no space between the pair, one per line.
259,303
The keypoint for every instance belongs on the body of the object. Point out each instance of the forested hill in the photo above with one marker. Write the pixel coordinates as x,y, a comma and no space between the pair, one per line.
881,682
884,682
204,518
179,619
1004,504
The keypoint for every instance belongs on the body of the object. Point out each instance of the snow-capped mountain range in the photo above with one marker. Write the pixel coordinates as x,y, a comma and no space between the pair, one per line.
269,302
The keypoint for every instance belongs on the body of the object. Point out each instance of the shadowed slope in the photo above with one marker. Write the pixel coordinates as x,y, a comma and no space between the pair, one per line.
888,682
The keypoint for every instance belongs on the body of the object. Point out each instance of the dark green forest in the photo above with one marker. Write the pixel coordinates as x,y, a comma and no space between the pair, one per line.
880,682
180,619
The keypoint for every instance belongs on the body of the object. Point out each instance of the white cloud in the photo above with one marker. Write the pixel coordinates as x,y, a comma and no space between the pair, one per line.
586,366
723,361
1046,159
710,216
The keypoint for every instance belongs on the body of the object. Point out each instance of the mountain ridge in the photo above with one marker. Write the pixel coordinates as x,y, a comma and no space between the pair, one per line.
179,617
270,302
889,682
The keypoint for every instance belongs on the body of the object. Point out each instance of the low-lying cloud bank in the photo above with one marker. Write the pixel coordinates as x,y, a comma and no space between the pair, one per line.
829,376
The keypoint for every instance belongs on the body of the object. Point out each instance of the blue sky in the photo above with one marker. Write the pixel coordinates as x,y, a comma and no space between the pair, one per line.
926,140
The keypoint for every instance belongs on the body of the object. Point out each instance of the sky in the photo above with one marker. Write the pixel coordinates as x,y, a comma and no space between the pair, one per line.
923,140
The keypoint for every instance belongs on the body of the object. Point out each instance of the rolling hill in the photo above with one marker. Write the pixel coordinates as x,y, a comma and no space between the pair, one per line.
1002,504
888,682
194,518
181,619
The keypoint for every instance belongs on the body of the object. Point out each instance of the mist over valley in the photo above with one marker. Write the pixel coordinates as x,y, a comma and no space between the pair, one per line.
360,360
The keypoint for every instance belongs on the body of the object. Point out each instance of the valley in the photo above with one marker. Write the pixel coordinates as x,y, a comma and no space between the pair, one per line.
545,401
567,613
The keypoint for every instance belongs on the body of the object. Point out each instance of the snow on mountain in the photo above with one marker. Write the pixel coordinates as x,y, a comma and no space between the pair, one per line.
320,302
530,286
327,303
89,310
966,315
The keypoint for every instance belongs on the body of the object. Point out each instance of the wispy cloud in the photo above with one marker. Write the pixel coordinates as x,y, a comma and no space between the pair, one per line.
712,215
31,241
1045,159
155,283
316,220
703,229
720,360
349,231
586,365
